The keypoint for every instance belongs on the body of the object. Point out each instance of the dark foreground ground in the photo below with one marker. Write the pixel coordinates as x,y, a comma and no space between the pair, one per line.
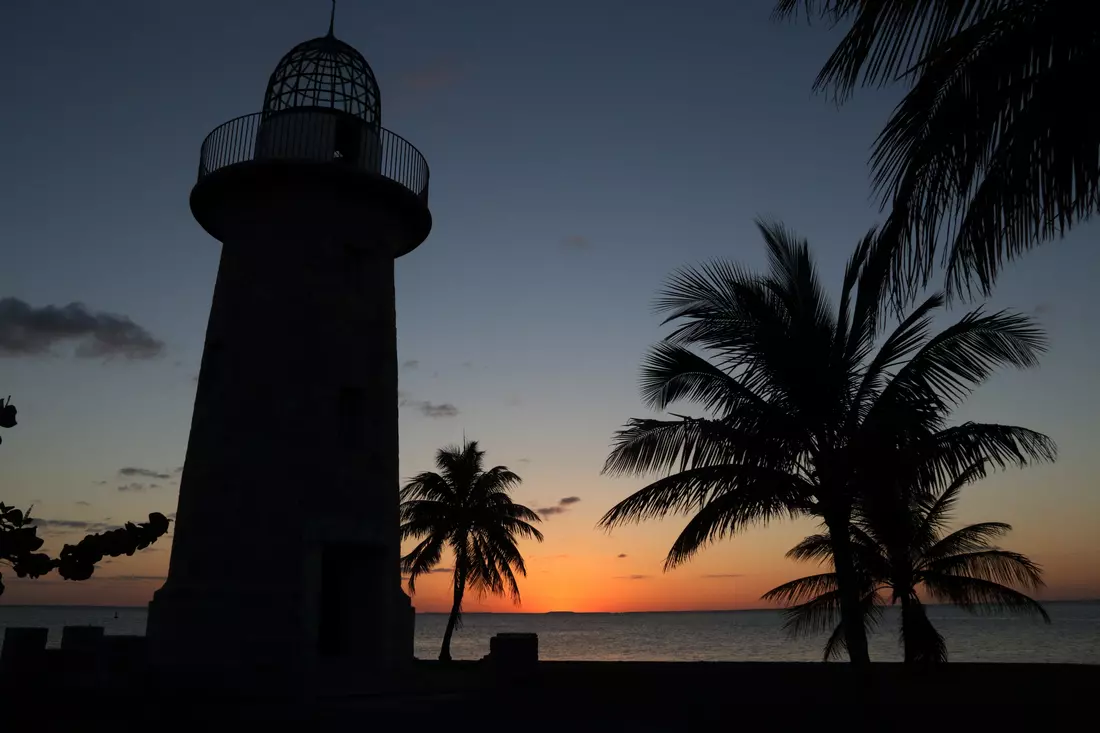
617,696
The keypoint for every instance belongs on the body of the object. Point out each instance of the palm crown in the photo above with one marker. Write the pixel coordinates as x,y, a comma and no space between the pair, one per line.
900,549
990,148
806,415
467,510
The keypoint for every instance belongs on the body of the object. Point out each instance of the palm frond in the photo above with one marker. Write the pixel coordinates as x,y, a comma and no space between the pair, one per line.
937,506
647,445
981,596
801,590
671,373
886,38
496,480
422,558
427,486
955,449
989,148
752,501
999,566
963,355
816,548
695,488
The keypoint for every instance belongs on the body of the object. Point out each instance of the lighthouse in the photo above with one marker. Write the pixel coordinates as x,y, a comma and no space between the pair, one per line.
284,573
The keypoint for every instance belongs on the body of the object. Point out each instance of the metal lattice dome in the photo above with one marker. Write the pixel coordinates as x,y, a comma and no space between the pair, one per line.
325,72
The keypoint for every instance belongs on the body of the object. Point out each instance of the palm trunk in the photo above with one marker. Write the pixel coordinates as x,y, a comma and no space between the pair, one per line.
851,613
908,629
456,610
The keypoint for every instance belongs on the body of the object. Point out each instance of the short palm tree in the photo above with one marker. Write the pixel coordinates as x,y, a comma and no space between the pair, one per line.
805,406
898,553
467,510
991,147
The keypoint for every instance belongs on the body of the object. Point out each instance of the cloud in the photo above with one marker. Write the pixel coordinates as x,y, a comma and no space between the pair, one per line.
61,526
576,243
439,75
101,483
410,365
523,460
633,577
513,400
29,331
130,578
177,469
132,472
1042,309
722,575
132,486
442,570
621,555
560,508
84,503
433,410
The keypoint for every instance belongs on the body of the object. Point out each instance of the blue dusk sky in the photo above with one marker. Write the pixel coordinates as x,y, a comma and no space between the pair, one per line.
580,152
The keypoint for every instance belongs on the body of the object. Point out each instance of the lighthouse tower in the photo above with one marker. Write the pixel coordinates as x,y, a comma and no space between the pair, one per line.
284,571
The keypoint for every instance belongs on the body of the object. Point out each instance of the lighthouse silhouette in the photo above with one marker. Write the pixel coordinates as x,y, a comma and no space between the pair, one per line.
284,572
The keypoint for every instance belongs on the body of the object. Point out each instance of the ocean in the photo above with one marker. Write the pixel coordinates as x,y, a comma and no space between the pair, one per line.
1073,636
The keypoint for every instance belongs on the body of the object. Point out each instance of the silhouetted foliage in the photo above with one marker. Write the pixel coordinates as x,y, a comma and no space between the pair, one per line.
807,416
19,545
991,148
901,544
7,415
19,540
468,510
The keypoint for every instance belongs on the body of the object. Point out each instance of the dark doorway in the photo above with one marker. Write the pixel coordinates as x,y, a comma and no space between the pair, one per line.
352,608
349,137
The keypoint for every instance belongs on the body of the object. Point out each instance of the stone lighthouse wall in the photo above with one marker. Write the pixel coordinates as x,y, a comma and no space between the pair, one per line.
284,567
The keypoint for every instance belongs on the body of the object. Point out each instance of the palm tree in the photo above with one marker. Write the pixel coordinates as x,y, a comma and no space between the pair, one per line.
466,509
899,552
805,412
991,147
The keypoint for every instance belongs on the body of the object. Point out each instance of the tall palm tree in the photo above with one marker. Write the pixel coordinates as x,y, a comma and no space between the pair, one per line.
899,552
804,410
991,148
467,510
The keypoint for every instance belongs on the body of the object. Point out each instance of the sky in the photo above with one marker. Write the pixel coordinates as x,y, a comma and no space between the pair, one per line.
580,152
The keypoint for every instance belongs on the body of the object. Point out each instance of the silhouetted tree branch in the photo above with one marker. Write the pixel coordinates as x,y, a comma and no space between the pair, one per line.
19,540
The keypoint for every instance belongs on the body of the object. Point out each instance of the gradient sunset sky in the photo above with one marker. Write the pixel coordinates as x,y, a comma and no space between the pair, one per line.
580,152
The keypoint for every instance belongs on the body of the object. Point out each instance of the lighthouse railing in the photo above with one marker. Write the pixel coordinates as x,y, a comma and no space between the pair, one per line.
297,135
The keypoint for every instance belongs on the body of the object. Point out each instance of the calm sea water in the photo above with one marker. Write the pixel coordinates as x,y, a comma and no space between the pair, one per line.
1074,635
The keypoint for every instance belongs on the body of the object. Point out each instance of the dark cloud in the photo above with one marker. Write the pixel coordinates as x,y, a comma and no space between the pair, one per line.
84,503
560,508
576,243
132,472
622,555
410,364
177,469
29,331
129,578
132,486
433,410
633,577
61,526
1042,309
467,364
523,460
722,575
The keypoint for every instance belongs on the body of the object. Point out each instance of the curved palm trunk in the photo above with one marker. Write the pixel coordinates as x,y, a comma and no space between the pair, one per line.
922,643
456,611
851,612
